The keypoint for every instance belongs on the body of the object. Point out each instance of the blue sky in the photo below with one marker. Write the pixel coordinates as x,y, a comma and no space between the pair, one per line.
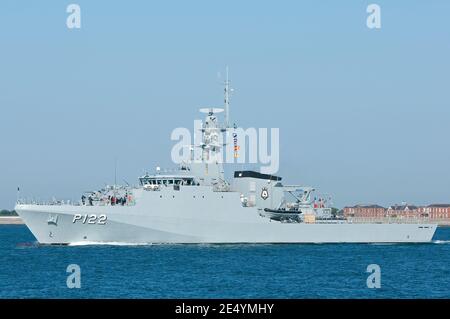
363,114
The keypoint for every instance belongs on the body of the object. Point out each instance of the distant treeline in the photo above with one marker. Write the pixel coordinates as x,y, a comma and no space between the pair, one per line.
336,211
5,212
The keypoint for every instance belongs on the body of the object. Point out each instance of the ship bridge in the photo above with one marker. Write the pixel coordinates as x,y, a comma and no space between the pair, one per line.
166,180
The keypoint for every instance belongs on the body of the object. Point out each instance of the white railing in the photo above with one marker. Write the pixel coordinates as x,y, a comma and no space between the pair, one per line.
71,203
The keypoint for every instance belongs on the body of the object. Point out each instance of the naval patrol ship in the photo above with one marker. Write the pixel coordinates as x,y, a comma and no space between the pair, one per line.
197,204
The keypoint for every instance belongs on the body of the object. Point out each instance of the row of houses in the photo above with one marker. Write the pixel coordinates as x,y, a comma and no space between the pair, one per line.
434,211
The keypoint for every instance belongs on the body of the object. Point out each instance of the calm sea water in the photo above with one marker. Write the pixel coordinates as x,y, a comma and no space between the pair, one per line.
28,270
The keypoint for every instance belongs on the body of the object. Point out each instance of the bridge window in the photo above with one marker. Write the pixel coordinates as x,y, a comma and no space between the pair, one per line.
167,182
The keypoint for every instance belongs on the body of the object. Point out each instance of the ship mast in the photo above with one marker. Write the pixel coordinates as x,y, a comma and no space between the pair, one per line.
227,101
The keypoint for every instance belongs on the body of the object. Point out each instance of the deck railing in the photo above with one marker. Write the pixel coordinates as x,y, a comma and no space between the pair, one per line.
71,203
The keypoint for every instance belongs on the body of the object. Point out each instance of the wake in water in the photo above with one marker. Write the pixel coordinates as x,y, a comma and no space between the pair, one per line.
431,242
211,245
208,245
441,241
28,245
94,243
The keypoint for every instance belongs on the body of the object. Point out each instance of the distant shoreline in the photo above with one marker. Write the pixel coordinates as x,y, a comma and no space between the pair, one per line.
11,220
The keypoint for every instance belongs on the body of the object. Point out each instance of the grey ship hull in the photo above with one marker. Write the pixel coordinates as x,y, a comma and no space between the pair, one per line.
162,217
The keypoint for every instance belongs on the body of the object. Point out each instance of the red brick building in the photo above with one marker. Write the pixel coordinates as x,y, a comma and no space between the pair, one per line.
436,211
373,211
403,211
